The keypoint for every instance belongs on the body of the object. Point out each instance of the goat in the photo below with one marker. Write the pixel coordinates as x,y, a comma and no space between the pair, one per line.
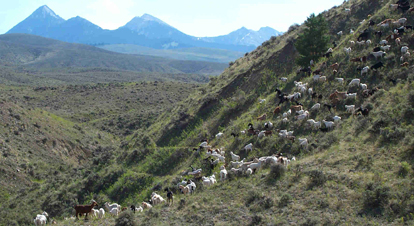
262,117
170,196
219,135
337,118
404,49
378,54
184,189
234,157
364,111
347,50
351,95
377,65
316,107
277,110
355,81
101,213
340,80
80,209
223,173
146,205
405,64
328,124
41,219
350,108
248,147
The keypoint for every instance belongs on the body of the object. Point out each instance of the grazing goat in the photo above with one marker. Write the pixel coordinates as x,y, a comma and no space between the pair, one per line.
405,64
350,108
316,107
81,209
364,86
377,65
277,110
328,124
101,213
223,173
378,54
351,95
184,189
234,157
364,111
146,205
404,49
355,81
347,50
170,196
41,219
248,147
219,135
268,125
340,80
337,118
262,117
364,70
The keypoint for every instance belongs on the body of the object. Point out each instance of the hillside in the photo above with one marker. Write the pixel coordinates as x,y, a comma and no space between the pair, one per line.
358,173
198,54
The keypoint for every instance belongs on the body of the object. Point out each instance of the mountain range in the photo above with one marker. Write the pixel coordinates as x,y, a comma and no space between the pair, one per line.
144,31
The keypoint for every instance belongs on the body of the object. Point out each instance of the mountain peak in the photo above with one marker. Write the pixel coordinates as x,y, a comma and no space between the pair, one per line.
44,11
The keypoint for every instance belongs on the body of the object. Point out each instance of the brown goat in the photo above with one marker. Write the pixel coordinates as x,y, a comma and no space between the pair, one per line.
335,66
405,64
262,117
84,209
277,110
296,108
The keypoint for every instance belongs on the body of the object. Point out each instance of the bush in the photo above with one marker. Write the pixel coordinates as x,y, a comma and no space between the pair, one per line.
276,172
293,27
411,99
285,200
126,218
317,178
375,197
252,196
404,169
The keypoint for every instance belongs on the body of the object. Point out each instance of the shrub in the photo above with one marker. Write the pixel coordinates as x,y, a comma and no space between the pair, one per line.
126,218
375,197
411,98
293,27
404,169
276,172
285,200
317,178
252,196
256,220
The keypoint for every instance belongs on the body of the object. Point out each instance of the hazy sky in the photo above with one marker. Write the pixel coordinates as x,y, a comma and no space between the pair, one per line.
193,17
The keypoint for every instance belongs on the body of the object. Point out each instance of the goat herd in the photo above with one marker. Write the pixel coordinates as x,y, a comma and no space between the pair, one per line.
237,166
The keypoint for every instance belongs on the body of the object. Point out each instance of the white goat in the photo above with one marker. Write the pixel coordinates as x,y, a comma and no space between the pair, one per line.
101,213
347,50
355,81
248,147
364,70
364,86
109,207
404,49
351,95
317,106
114,212
383,42
328,124
378,54
41,219
223,173
310,91
219,135
234,157
336,118
350,108
386,48
340,80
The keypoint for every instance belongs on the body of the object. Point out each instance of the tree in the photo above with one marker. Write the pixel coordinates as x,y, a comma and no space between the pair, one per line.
312,43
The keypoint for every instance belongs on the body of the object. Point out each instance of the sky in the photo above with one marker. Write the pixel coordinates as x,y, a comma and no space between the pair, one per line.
193,17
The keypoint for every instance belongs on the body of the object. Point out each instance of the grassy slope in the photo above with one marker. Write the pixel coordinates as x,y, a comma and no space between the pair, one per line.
359,174
195,53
